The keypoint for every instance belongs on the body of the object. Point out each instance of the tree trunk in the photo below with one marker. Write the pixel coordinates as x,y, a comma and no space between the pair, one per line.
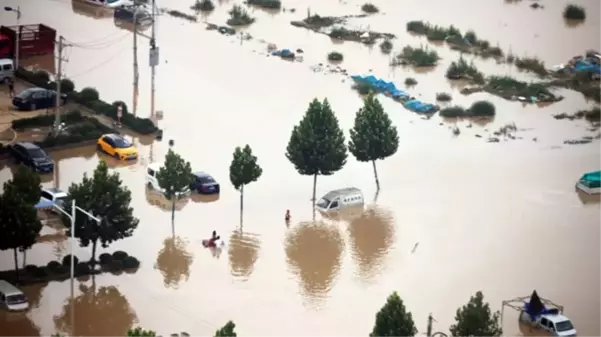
93,259
172,210
376,175
241,204
24,258
314,187
16,263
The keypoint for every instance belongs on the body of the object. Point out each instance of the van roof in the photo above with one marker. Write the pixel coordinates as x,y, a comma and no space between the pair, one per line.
6,61
9,289
343,191
556,318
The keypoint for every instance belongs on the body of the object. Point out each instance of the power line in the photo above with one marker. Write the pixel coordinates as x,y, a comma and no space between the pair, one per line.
100,41
100,64
101,45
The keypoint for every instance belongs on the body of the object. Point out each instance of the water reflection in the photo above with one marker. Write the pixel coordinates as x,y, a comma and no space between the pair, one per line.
243,251
588,199
157,199
372,236
115,163
204,198
95,12
105,312
174,261
314,253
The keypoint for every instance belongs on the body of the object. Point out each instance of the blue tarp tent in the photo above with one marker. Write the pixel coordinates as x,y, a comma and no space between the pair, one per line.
582,66
357,78
388,87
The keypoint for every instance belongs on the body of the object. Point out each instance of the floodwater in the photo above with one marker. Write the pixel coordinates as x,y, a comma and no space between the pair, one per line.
455,214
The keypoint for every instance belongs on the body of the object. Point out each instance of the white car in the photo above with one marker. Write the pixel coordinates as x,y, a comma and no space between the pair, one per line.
54,195
152,182
117,3
12,298
553,324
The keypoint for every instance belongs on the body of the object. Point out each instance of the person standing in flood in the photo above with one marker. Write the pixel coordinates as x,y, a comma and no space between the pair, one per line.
11,87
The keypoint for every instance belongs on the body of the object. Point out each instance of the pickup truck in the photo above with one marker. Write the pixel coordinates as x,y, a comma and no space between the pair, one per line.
553,324
33,40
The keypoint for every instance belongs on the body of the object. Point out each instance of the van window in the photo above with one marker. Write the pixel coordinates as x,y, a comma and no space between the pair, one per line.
544,322
323,203
564,326
151,172
16,299
2,298
46,195
7,67
334,204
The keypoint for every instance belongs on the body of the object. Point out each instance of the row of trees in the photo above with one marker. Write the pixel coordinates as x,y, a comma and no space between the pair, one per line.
472,319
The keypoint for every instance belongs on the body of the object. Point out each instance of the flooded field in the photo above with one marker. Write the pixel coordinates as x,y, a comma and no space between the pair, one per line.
502,218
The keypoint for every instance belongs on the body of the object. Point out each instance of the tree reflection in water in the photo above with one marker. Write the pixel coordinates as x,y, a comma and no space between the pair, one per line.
174,261
243,252
372,235
105,312
19,324
314,253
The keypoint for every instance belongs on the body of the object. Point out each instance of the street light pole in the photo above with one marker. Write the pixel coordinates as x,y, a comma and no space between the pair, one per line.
17,47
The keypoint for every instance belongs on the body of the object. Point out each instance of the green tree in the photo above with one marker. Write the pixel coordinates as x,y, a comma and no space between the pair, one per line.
317,144
19,223
227,330
26,185
104,196
174,178
476,319
373,137
139,332
244,169
393,319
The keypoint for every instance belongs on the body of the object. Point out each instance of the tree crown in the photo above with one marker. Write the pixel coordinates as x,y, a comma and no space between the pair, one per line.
227,330
139,332
317,144
25,185
244,168
175,176
19,222
393,319
373,136
476,319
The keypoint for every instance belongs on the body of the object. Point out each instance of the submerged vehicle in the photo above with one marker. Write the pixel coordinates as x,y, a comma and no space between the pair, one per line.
590,183
339,199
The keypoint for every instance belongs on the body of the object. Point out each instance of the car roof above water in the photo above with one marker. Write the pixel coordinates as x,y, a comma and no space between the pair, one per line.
9,289
342,192
28,145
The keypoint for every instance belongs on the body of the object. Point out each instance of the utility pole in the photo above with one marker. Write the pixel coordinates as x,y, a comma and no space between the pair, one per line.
59,77
154,60
136,73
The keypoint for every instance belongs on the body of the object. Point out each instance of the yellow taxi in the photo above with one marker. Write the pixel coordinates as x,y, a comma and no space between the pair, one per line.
116,146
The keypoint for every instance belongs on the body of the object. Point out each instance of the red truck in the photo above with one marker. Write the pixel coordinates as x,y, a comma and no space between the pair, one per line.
33,40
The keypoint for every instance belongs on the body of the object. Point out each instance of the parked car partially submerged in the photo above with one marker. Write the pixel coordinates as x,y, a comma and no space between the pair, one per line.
32,156
37,98
204,183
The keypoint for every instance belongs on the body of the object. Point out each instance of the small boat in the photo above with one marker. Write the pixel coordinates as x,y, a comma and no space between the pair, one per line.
590,183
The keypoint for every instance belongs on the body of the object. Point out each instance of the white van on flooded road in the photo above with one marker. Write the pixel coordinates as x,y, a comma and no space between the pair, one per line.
12,298
340,199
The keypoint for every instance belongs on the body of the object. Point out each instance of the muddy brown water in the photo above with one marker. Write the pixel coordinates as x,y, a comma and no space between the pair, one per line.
455,214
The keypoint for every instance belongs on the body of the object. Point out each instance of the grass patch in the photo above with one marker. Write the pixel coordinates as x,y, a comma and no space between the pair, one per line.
239,17
532,64
443,97
508,88
574,12
419,57
370,8
335,56
591,115
410,81
464,70
478,109
317,21
182,15
203,6
386,46
269,4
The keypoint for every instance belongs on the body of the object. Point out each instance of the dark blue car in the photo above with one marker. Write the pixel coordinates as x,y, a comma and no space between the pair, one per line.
37,98
205,184
32,156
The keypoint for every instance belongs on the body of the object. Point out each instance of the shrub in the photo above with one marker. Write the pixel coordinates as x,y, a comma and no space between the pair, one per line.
271,4
482,109
335,56
39,273
574,12
88,129
30,269
181,15
116,265
319,21
203,6
340,33
120,255
46,120
82,269
89,94
105,258
239,17
452,112
362,88
410,81
507,86
420,57
55,267
386,46
443,97
67,86
532,64
370,8
131,262
462,69
42,76
67,260
471,37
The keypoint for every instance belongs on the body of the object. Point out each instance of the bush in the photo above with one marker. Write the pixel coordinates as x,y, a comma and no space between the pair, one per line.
131,262
42,76
30,269
270,4
386,46
532,64
370,8
89,94
82,269
419,57
482,109
67,86
574,12
418,27
443,97
506,86
72,117
463,70
452,112
410,81
116,265
55,267
67,260
203,6
340,33
362,88
239,17
88,129
335,56
105,258
120,255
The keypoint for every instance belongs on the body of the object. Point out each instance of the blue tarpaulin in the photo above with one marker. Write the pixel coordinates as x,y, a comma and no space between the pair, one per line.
382,86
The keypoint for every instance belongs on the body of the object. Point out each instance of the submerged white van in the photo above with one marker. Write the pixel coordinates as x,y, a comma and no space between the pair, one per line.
12,298
7,70
339,199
